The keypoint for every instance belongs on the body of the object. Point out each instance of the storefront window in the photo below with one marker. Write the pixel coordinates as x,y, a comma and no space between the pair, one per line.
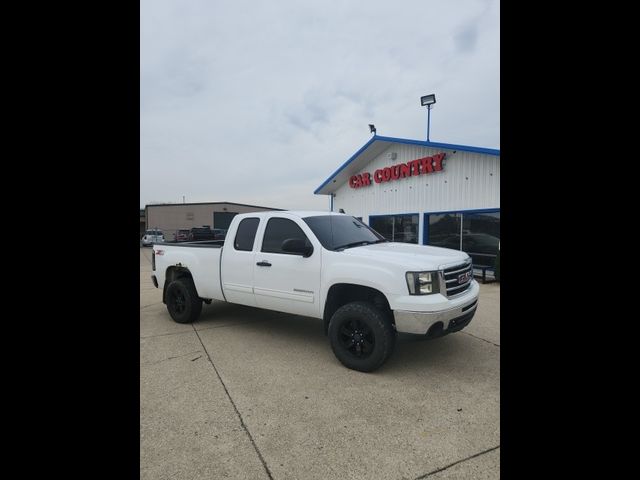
444,230
396,228
480,237
479,234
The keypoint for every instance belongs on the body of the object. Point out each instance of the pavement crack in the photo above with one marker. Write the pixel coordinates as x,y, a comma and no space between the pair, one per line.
232,324
165,334
480,338
226,390
171,358
145,306
456,463
202,329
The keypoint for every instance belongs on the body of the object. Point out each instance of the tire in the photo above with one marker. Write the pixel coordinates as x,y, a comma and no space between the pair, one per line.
182,300
370,328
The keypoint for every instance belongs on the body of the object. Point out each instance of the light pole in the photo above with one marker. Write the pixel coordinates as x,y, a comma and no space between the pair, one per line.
428,100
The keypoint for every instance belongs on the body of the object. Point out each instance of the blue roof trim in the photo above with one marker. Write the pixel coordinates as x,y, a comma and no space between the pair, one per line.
422,143
351,159
451,146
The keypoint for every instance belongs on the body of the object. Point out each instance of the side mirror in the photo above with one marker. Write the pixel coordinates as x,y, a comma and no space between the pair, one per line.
297,246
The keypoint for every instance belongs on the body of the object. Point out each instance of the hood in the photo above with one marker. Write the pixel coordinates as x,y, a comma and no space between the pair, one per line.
418,257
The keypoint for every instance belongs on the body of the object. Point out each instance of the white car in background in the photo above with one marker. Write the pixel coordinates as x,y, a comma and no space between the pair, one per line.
152,236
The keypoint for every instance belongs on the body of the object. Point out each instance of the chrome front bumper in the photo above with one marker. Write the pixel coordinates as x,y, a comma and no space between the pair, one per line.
420,322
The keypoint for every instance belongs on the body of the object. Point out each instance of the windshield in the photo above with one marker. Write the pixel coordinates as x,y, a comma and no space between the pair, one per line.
337,231
154,232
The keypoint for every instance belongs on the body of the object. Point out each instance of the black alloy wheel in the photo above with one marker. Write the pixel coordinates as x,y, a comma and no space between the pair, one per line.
362,336
357,338
182,300
178,301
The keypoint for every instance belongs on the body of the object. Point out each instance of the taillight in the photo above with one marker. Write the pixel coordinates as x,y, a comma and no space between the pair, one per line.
153,260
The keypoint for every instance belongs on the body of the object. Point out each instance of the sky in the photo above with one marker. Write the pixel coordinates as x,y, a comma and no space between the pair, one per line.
259,102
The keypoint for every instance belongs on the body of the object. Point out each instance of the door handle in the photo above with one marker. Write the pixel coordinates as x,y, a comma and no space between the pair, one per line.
263,264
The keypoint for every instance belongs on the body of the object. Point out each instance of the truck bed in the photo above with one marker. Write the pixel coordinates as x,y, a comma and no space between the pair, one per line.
201,244
203,264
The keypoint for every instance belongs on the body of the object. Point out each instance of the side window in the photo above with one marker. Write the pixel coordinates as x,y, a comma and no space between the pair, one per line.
246,234
277,231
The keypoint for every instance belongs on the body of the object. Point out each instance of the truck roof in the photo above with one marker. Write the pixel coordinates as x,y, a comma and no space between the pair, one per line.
297,213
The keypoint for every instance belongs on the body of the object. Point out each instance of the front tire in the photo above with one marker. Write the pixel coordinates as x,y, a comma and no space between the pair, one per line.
361,336
183,302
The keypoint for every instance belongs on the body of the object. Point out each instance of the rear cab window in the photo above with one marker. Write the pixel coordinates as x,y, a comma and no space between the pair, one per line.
246,234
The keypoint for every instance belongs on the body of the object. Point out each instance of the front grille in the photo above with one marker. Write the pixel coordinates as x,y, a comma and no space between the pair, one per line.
452,275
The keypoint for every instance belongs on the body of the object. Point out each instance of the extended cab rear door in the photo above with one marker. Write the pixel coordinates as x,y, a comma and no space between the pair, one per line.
238,262
284,281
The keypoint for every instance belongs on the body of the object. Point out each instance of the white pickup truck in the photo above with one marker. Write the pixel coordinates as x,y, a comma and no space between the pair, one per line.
323,265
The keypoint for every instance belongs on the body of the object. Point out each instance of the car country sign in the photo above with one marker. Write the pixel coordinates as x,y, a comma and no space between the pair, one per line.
420,166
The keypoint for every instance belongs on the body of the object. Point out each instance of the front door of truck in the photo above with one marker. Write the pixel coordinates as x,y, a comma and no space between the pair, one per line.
283,281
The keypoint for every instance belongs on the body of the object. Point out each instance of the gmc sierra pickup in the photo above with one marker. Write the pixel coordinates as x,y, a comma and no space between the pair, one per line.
324,265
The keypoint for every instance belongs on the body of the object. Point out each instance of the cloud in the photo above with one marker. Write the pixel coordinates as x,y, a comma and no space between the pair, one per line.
466,38
258,102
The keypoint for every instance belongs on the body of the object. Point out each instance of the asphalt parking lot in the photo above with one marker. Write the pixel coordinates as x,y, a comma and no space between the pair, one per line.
246,393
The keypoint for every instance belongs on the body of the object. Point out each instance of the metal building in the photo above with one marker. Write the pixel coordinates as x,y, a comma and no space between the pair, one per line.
172,217
143,225
423,192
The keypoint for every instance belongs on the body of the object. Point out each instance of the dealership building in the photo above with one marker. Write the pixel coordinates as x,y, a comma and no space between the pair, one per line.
423,192
171,217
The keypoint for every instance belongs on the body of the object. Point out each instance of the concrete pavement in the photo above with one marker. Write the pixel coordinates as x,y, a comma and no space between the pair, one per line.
247,393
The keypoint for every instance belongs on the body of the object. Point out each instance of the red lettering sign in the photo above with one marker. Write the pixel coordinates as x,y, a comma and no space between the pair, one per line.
420,166
357,181
437,161
426,165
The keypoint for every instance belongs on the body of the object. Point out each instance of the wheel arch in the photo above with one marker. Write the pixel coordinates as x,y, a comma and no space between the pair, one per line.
173,273
340,294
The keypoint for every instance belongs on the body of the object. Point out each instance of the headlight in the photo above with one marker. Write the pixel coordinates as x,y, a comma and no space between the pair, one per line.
422,283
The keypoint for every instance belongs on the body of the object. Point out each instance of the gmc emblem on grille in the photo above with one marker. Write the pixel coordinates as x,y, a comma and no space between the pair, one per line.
464,277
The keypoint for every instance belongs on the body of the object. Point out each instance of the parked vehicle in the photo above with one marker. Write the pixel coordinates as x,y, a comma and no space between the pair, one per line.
152,236
481,247
182,235
328,266
219,233
197,234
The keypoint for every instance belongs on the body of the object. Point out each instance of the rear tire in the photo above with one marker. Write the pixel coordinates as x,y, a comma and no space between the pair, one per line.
361,336
183,302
